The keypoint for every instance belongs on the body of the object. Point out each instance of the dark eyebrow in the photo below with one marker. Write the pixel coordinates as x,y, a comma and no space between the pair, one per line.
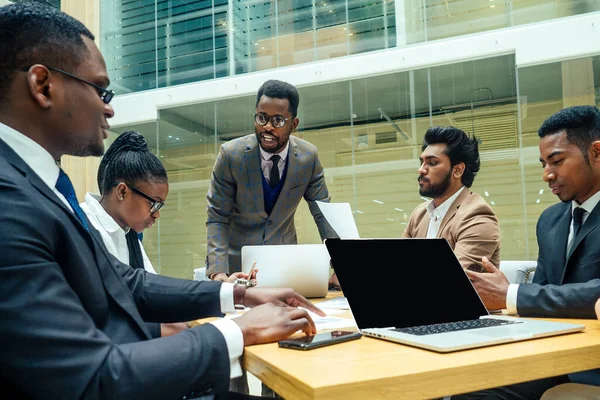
552,155
428,157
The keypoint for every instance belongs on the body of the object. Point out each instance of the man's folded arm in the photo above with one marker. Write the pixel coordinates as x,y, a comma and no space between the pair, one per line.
53,342
571,300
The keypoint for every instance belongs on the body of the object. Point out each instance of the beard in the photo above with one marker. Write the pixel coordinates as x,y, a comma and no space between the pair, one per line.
437,189
276,146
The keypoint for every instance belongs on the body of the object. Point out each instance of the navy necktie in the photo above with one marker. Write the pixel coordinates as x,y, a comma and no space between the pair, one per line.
274,175
65,187
577,220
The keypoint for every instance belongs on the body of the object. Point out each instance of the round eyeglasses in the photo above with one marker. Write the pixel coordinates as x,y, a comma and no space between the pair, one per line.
262,119
155,205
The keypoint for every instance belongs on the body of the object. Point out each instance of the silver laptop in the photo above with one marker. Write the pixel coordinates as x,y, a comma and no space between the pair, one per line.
415,292
302,267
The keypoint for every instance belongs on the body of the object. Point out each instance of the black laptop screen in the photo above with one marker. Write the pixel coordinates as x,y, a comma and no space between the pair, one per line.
403,282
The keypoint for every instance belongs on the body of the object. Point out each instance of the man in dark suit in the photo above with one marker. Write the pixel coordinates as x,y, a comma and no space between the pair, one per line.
566,283
73,320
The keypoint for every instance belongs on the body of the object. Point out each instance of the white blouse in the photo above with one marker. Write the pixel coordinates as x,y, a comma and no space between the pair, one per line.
112,234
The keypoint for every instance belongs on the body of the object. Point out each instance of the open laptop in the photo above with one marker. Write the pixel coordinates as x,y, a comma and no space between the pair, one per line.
302,267
415,292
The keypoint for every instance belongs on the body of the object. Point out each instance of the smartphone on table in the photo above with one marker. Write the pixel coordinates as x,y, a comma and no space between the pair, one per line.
319,340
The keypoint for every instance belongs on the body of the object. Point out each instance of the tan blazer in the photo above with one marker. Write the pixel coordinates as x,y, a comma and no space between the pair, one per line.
470,227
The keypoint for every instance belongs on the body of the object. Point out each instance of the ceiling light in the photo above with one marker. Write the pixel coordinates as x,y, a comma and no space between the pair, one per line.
492,203
541,191
359,212
486,194
537,201
378,201
390,219
399,209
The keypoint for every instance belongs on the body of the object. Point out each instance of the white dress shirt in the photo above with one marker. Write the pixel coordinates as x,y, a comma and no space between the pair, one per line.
42,163
112,234
266,164
437,214
588,206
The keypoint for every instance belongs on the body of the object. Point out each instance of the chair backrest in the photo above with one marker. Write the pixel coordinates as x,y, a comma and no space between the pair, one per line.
521,271
200,274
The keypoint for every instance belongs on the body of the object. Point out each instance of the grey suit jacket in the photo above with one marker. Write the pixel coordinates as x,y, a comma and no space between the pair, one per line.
235,203
72,316
564,285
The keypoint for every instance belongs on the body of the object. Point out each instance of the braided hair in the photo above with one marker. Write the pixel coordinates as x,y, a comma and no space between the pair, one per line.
129,160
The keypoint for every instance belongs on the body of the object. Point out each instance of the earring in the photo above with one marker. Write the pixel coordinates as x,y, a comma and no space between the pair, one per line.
121,198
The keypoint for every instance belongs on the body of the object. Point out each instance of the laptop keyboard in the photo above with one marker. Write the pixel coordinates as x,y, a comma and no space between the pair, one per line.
454,326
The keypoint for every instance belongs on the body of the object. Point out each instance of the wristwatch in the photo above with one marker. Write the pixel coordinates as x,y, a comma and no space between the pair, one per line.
245,282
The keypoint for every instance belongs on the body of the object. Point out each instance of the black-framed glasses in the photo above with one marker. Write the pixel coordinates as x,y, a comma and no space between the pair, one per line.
155,205
278,121
106,95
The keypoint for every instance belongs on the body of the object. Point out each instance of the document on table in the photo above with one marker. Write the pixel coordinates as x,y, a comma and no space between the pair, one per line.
338,303
339,216
331,322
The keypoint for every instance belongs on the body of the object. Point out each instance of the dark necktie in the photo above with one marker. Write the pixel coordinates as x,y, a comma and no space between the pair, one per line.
65,187
577,220
274,176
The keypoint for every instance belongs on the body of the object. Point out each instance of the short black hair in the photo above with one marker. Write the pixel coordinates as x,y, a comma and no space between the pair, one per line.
35,33
129,160
280,90
582,124
461,148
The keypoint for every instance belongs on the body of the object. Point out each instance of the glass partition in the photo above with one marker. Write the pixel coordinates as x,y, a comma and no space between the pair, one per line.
369,133
156,43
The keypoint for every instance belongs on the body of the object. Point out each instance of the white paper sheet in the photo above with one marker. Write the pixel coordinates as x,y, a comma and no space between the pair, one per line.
338,303
339,216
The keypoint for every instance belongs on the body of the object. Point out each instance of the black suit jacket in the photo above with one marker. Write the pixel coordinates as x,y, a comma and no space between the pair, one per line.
72,316
564,285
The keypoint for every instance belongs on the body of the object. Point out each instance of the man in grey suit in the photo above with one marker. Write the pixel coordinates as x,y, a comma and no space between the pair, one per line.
258,181
566,283
74,319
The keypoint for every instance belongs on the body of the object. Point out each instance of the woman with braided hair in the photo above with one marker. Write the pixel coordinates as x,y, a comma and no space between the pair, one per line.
133,189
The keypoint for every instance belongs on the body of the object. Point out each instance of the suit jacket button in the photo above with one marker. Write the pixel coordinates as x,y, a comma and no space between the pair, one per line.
269,222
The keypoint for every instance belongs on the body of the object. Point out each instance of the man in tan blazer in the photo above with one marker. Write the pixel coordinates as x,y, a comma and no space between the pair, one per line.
449,163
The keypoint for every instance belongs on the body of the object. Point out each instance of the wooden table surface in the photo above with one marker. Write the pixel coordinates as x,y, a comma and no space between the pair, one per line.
373,368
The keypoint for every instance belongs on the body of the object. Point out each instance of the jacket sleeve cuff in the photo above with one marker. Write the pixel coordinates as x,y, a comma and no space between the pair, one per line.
235,344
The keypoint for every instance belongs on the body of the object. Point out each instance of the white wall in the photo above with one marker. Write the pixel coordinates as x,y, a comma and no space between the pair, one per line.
540,43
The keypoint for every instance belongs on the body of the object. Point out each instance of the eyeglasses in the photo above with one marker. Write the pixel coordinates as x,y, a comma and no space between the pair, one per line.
154,204
105,94
277,121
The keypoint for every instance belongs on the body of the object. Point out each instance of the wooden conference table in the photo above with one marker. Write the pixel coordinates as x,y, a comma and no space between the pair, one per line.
376,369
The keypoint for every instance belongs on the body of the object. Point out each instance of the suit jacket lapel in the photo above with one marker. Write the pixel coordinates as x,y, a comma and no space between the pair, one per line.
253,166
452,210
590,223
561,236
17,162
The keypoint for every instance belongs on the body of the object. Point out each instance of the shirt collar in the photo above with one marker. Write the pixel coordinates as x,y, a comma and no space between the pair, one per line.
283,153
443,208
34,155
108,223
587,205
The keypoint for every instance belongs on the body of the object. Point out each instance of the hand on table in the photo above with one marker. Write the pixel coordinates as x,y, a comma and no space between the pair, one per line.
268,323
492,285
279,297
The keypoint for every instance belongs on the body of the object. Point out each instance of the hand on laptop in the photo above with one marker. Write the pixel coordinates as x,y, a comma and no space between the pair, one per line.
492,285
269,323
